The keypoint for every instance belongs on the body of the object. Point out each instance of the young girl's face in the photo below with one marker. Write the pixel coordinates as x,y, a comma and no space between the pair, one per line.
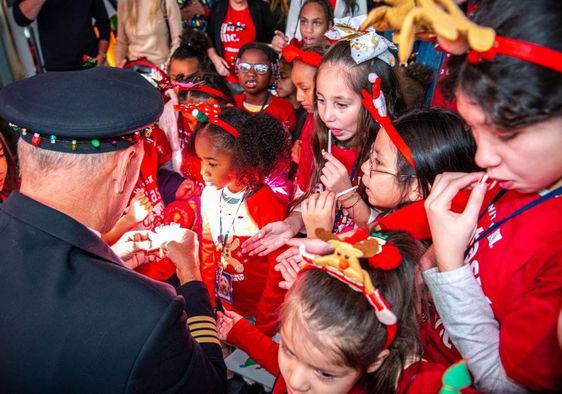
380,175
308,369
302,76
285,86
215,163
180,69
251,81
527,160
338,104
313,24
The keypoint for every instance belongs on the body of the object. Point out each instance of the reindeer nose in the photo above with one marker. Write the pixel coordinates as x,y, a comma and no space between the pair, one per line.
343,264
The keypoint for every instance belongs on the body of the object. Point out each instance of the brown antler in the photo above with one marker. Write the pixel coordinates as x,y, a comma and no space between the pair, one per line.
369,247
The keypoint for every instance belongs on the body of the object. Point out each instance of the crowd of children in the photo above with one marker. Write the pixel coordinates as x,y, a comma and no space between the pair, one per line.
409,237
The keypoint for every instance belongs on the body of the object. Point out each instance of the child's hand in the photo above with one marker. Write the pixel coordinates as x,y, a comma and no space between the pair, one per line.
296,150
139,208
334,174
450,231
136,248
225,322
319,211
221,65
270,238
279,41
288,264
188,189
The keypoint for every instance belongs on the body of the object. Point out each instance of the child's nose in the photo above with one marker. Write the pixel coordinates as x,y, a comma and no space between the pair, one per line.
298,379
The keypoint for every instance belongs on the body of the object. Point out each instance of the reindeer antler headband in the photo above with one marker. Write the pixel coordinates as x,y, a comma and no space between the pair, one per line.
344,265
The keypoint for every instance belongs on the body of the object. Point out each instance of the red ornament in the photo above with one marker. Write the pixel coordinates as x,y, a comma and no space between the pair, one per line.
36,140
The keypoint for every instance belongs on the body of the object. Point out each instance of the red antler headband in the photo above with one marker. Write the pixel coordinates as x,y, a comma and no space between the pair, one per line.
520,49
205,112
344,266
376,105
200,87
291,53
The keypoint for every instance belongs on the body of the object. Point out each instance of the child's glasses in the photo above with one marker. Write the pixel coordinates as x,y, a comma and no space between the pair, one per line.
258,68
373,165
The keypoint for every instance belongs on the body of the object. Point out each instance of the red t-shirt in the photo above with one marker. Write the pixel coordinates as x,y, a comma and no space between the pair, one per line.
519,266
278,107
237,29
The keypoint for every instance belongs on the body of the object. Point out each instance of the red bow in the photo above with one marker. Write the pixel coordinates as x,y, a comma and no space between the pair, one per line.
291,53
376,106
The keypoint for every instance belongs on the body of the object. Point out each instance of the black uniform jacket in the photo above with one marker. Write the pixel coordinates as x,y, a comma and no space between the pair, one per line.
73,319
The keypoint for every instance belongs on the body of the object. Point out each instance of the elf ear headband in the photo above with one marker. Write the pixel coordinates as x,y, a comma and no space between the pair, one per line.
375,103
291,53
206,112
426,19
344,265
200,87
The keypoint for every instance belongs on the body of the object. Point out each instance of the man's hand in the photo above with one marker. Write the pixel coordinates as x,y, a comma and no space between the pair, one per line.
185,256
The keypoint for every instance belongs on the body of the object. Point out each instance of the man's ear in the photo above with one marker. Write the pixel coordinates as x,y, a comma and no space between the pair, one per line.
379,360
122,167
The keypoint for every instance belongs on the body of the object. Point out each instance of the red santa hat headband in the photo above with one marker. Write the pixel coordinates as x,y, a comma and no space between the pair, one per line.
344,265
375,103
206,112
520,49
200,87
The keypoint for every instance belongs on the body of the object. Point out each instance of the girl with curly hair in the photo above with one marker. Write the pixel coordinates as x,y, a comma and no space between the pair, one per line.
237,151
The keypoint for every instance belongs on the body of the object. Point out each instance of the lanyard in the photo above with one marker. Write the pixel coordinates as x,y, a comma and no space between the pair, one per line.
554,193
224,238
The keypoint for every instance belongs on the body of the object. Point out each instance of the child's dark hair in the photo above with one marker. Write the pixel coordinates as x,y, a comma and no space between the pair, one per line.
209,79
514,93
272,57
356,76
193,45
329,307
415,78
262,143
326,9
440,141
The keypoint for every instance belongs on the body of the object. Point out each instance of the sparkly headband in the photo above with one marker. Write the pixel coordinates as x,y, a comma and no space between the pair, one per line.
54,142
200,87
376,105
291,53
344,265
206,112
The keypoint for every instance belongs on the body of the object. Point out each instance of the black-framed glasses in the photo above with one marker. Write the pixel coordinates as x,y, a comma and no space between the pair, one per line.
372,169
258,68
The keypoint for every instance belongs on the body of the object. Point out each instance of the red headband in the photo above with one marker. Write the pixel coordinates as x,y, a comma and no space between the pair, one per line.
376,105
350,272
200,87
520,49
291,53
205,112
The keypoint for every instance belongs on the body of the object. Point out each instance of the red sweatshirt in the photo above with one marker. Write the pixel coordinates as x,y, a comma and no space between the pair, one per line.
248,284
278,107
